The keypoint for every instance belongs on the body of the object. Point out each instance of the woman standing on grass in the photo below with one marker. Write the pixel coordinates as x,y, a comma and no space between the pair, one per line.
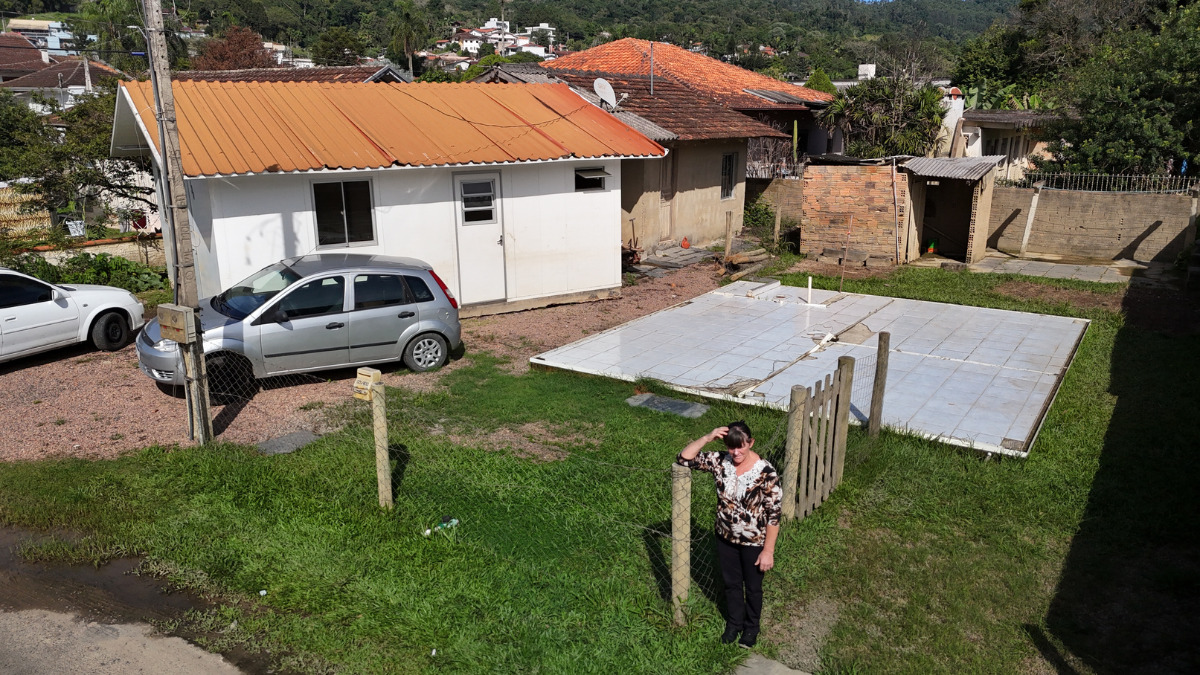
747,523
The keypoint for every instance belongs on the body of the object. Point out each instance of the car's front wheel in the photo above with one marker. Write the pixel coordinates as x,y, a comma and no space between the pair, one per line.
426,352
110,332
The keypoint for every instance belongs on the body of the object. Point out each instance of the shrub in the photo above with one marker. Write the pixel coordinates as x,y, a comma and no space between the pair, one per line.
88,268
759,220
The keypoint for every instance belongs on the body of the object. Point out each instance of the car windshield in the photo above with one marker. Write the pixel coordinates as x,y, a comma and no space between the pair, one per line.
251,293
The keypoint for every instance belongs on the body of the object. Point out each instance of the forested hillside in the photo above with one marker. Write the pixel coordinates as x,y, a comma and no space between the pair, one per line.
832,34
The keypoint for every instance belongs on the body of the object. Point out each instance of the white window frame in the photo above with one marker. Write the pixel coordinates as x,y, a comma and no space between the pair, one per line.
460,199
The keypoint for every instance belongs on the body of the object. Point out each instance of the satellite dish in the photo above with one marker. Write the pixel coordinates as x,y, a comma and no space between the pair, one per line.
605,91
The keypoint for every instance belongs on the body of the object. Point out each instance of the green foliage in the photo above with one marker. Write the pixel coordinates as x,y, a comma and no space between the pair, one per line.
337,47
759,220
437,75
69,168
89,268
821,82
887,116
481,66
1135,103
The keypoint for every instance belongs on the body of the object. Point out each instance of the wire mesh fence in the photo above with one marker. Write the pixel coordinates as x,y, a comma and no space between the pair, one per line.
1104,182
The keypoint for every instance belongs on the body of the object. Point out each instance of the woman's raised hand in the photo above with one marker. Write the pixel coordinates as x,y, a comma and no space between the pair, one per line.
717,433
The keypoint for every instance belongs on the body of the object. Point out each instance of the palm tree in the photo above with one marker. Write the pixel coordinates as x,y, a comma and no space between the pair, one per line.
409,30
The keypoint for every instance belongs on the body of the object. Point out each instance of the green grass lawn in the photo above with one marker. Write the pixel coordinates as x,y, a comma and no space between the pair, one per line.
934,560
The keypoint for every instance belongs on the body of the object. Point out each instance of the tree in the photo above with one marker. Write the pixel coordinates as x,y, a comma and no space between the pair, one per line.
486,49
887,116
409,30
821,82
68,165
239,49
1133,106
337,47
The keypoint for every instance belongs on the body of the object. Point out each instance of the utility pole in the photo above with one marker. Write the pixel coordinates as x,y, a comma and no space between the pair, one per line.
171,169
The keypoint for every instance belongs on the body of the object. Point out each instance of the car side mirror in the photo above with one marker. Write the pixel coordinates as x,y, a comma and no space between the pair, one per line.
56,295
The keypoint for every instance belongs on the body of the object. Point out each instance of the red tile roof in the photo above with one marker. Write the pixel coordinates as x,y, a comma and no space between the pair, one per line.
676,108
255,127
71,71
725,82
317,74
18,56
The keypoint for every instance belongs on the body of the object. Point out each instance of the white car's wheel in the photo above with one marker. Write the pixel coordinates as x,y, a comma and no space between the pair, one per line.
426,352
110,332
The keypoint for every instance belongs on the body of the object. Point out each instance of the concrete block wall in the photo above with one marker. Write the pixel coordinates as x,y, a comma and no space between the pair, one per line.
785,195
1100,225
831,194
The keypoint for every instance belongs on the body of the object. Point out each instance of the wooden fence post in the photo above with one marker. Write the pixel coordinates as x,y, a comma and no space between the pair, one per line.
842,415
383,467
794,449
881,367
1037,192
681,539
368,386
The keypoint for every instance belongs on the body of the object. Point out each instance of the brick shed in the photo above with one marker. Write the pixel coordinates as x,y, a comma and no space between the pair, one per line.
875,196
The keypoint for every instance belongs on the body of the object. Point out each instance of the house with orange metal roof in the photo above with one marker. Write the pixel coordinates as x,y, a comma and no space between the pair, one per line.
512,193
787,107
700,185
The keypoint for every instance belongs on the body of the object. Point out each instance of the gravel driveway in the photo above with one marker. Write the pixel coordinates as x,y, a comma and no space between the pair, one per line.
83,403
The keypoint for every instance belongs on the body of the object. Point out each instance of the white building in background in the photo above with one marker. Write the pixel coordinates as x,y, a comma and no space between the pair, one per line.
51,36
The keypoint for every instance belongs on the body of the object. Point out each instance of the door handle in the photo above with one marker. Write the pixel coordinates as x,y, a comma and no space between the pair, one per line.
334,325
500,240
406,315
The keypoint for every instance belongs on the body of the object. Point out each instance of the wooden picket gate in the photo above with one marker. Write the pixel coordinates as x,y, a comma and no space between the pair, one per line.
818,420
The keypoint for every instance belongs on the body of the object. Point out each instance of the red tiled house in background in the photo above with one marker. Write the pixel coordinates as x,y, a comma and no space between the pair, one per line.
61,82
784,106
18,57
702,179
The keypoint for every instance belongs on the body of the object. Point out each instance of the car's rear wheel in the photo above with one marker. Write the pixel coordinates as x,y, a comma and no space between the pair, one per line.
426,352
110,332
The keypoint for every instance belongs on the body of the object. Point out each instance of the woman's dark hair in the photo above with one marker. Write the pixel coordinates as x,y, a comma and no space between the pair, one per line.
738,434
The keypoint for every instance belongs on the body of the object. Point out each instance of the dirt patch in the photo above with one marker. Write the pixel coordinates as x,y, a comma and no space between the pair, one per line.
1028,290
803,631
1149,306
532,441
811,266
78,402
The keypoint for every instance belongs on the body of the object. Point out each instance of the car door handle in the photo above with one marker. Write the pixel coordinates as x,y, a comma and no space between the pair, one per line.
333,325
406,315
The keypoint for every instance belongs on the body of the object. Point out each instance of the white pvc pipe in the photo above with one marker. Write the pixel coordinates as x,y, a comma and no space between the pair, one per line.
810,290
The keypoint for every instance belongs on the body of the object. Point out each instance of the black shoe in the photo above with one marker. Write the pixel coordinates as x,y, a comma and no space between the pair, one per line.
729,635
749,639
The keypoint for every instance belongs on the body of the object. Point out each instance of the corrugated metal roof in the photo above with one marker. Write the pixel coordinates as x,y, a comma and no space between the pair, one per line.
228,128
962,168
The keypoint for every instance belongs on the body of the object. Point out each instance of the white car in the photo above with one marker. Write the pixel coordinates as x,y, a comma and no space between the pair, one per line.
36,316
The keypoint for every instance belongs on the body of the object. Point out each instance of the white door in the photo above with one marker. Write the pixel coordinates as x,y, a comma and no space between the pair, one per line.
32,319
480,238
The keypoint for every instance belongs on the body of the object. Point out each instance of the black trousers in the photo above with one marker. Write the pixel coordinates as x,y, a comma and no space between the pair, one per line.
743,584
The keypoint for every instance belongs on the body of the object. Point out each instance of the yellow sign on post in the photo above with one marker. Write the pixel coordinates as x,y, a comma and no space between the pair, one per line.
364,384
177,323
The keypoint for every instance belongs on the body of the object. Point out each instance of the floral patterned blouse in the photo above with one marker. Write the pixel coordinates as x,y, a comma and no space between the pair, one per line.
746,504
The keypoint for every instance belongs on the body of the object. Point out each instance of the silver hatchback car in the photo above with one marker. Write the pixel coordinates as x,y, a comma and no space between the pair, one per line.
317,312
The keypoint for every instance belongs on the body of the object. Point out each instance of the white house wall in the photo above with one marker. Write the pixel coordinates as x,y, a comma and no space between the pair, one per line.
556,240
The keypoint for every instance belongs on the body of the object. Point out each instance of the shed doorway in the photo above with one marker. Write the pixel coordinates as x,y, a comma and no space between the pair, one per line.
946,225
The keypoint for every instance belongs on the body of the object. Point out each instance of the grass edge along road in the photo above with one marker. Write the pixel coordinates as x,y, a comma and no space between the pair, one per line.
934,560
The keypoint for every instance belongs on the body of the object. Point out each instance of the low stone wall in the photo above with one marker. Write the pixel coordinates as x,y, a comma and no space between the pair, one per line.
147,250
832,194
1101,225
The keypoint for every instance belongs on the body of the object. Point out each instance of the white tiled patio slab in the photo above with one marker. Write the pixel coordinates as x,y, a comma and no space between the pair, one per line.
969,376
